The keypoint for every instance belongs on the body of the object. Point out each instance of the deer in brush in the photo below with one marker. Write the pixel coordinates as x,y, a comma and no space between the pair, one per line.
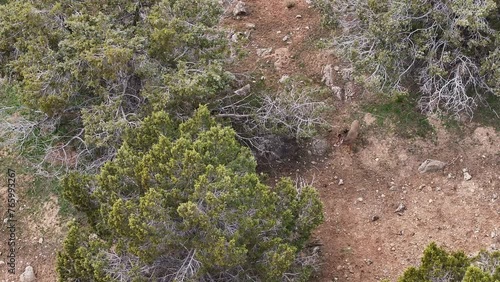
349,136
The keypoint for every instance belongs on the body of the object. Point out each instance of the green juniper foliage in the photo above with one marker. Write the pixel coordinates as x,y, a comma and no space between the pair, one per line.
450,50
439,265
101,66
184,203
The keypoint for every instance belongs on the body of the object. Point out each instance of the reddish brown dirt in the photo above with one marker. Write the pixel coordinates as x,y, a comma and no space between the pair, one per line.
273,21
37,228
381,172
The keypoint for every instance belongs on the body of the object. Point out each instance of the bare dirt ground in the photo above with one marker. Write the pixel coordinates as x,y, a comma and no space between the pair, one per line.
38,229
363,238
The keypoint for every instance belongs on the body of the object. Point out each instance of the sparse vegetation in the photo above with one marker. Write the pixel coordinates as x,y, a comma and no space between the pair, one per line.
402,113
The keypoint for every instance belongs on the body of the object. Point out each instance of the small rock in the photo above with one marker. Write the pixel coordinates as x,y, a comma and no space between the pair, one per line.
430,165
336,68
368,261
2,262
298,16
240,9
262,52
250,25
393,249
467,176
341,182
375,218
28,275
493,234
285,38
360,199
40,241
243,91
401,208
284,78
495,196
430,201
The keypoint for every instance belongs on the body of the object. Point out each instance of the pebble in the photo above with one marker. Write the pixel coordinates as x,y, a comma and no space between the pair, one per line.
298,16
250,25
285,38
40,241
360,199
375,218
341,182
430,201
467,176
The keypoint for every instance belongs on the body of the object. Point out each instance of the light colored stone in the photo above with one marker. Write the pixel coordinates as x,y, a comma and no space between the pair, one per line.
28,275
430,165
243,91
262,52
298,16
401,208
467,176
284,78
250,25
240,9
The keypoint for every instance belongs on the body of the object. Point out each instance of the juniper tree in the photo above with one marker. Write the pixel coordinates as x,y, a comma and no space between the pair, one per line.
182,202
98,67
439,265
449,50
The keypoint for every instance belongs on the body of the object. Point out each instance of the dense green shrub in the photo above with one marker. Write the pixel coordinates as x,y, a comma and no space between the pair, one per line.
439,265
183,203
98,67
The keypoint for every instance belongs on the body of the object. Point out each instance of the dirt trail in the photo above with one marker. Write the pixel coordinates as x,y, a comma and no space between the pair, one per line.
382,172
